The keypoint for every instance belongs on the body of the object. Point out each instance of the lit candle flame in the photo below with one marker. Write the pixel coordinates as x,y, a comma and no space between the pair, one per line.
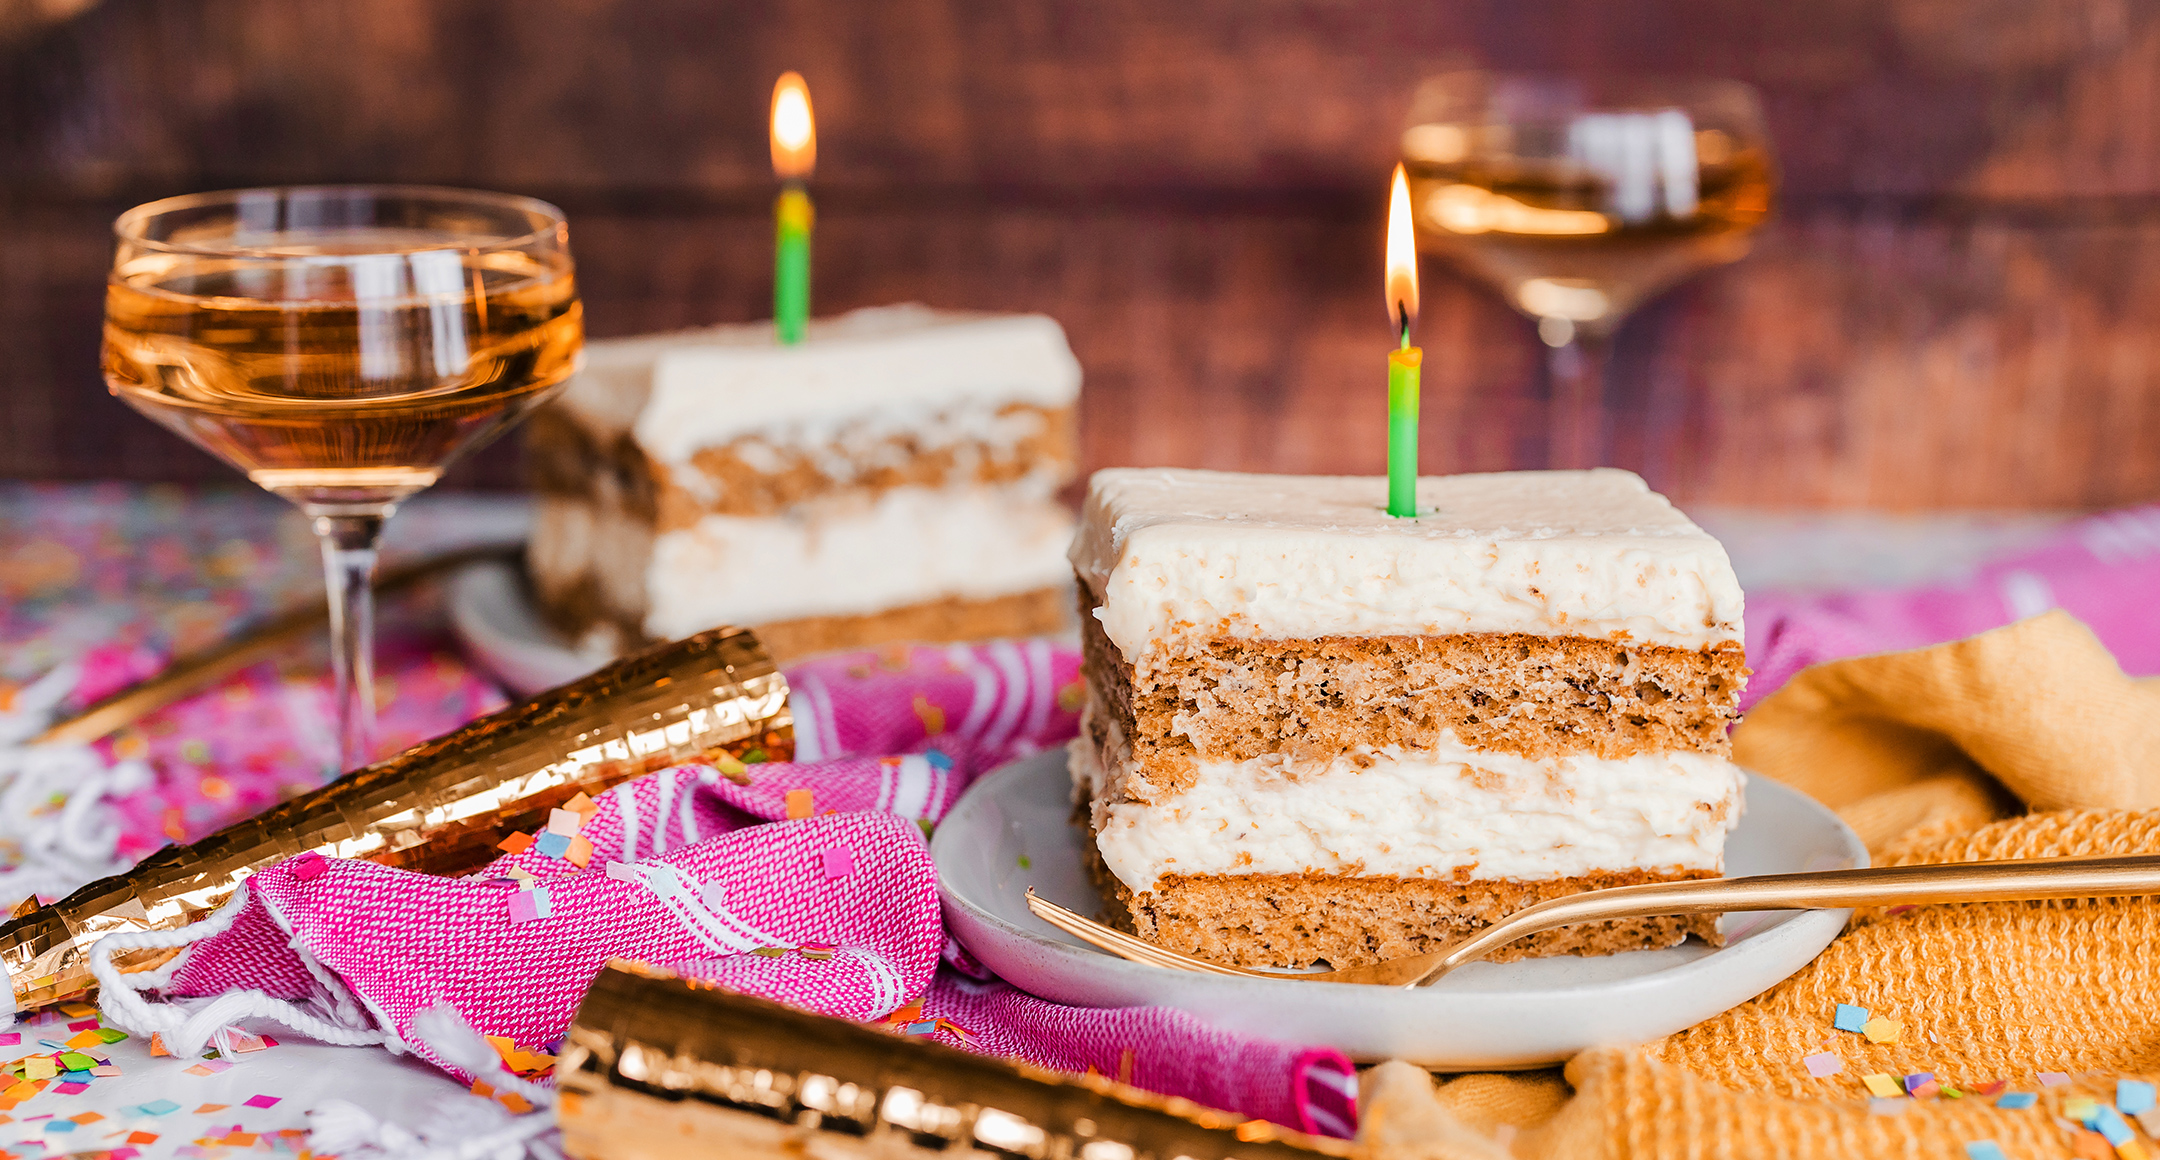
1401,257
794,133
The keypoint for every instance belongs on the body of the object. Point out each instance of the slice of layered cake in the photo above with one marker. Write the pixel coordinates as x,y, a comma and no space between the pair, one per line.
1315,731
892,477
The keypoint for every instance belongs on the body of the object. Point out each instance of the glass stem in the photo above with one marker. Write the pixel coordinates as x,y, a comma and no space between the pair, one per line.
348,550
1575,368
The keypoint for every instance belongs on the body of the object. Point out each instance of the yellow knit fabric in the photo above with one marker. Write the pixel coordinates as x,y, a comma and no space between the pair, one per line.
1932,755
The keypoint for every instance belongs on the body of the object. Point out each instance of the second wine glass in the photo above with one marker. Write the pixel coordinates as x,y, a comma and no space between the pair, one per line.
1579,198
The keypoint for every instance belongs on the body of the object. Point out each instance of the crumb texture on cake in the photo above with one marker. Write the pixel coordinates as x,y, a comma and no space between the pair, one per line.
1297,920
1314,700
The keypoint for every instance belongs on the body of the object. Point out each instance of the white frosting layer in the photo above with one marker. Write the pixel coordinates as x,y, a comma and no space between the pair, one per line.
1200,554
854,555
895,368
1430,814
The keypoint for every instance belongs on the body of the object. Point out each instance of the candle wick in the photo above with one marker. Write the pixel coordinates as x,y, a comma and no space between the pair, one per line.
1402,313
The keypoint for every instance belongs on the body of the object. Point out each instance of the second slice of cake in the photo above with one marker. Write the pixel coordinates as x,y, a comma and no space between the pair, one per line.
1318,732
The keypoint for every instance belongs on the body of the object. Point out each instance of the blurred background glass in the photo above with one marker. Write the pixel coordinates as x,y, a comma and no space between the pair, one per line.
1580,197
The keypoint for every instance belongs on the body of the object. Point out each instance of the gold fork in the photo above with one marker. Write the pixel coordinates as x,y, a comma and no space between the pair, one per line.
2129,875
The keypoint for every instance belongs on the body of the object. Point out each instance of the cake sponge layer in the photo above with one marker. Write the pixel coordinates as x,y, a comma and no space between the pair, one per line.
1297,921
1312,701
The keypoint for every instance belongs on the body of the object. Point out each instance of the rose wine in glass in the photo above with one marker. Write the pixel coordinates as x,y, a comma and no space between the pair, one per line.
1579,198
342,345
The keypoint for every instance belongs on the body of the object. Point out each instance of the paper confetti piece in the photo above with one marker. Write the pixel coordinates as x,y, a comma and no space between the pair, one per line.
1882,1085
76,1075
140,1137
111,1034
78,1010
582,805
552,844
769,952
2130,1150
87,1039
1984,1150
1824,1063
515,843
839,862
2090,1146
249,1043
105,1071
2081,1109
210,1067
729,767
23,1090
1849,1018
2111,1126
515,1102
801,803
206,1109
579,852
71,1089
1881,1030
1991,1088
62,1125
40,1067
2017,1101
817,954
77,1061
1918,1078
157,1045
530,905
2133,1096
11,1039
565,822
87,1118
2150,1121
262,1101
2053,1079
308,867
83,1025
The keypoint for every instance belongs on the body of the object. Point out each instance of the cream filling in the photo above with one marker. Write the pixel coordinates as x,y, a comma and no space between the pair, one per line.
1181,557
1447,812
902,369
854,555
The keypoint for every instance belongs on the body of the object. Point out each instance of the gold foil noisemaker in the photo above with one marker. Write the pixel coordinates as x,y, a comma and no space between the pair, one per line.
437,808
657,1067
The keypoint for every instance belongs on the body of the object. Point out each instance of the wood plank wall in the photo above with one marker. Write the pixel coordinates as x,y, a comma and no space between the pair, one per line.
1957,307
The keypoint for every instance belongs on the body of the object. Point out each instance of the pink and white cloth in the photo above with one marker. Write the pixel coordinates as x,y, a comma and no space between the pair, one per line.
2104,570
709,876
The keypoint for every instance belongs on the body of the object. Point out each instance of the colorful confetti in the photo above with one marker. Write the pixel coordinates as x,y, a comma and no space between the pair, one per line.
1881,1030
158,1108
530,905
1850,1018
515,844
579,852
2053,1079
801,803
1824,1063
2017,1101
552,844
309,866
565,822
1882,1085
839,862
1984,1150
261,1101
2133,1096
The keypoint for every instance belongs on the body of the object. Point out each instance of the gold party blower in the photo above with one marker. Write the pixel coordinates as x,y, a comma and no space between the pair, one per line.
440,807
656,1067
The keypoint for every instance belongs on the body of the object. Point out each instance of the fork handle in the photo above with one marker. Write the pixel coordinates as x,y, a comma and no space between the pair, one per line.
2112,877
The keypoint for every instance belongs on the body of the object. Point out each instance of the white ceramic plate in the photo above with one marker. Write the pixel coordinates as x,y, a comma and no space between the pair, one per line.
1013,830
492,611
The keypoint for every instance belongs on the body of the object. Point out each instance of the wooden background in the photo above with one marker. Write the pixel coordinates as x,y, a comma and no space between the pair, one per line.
1959,305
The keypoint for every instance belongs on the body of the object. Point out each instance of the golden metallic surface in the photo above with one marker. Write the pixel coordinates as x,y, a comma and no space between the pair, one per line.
657,1068
439,807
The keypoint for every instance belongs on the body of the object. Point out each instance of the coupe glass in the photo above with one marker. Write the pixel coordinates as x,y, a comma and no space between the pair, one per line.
1579,197
342,345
